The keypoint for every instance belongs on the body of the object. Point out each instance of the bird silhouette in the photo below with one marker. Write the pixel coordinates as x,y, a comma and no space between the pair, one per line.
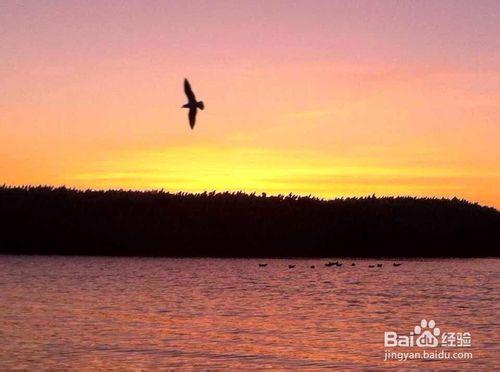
192,104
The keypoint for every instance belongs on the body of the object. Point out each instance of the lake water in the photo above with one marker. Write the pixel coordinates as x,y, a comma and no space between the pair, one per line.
93,312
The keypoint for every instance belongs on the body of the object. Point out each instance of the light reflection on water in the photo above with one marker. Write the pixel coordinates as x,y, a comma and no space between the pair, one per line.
92,312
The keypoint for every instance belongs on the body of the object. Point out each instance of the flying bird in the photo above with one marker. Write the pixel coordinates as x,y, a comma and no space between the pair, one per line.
192,104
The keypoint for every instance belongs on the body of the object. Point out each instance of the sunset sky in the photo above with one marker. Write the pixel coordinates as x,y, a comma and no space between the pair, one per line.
330,98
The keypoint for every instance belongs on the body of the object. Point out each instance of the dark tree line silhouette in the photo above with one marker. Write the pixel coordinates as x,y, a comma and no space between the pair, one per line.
46,220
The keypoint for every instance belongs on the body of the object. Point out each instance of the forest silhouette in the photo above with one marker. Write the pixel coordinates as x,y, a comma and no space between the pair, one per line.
47,220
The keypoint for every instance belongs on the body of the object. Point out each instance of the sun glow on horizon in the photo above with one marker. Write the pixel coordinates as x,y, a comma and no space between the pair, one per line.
222,168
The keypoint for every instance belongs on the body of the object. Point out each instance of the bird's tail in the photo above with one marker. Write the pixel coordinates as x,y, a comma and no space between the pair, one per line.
200,105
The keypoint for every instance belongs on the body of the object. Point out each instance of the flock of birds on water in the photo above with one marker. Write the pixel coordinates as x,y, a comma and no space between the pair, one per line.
336,264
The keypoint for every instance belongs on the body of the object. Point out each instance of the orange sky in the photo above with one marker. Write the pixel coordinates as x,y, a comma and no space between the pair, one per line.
331,98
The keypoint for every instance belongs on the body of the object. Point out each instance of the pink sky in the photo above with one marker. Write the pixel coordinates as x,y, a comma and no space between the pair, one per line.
332,98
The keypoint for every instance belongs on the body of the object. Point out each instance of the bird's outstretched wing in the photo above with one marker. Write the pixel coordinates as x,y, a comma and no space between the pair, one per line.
189,92
192,117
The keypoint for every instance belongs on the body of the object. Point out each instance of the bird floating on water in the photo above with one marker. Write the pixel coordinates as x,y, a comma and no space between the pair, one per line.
330,263
193,105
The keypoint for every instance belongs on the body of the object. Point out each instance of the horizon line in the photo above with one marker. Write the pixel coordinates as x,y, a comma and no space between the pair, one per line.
246,193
